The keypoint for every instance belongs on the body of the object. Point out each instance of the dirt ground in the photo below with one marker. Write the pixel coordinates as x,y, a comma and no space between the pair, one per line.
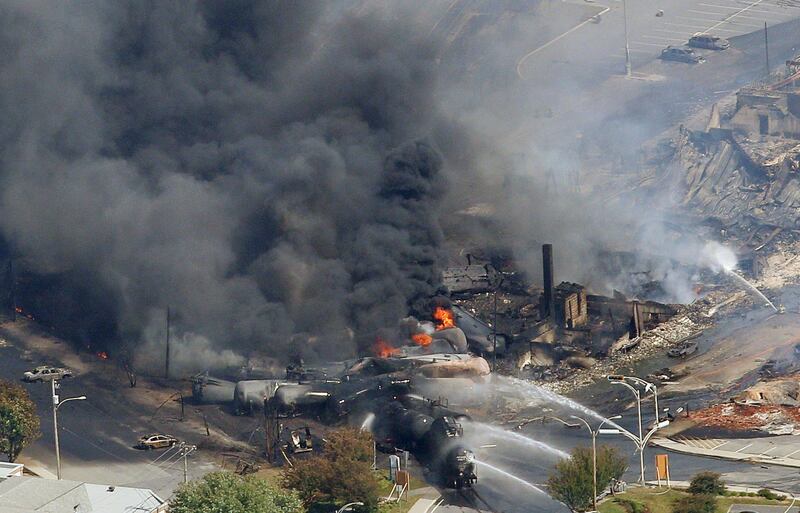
742,351
98,434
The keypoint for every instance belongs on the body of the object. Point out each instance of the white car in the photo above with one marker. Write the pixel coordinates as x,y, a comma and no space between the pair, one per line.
46,373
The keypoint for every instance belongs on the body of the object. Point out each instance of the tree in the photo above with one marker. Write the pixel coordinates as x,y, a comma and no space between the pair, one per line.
571,481
224,491
19,424
706,483
699,503
341,474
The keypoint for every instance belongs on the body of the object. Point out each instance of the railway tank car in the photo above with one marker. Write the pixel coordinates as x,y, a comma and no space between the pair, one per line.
437,441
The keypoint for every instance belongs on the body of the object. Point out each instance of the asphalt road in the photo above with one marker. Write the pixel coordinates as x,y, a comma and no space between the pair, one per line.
648,34
96,438
504,494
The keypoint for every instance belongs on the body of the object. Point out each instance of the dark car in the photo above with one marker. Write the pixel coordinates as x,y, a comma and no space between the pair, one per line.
680,54
709,42
683,351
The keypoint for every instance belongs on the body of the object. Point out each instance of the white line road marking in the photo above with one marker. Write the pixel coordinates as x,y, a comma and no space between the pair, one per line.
702,29
743,448
675,32
632,50
662,38
555,39
798,450
744,9
778,16
768,450
720,445
739,23
647,44
737,8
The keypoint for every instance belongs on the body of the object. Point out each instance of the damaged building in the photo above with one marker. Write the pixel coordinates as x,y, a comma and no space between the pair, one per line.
743,171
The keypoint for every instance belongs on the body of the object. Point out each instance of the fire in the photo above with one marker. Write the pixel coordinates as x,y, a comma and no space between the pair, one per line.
20,311
383,349
422,339
102,355
444,318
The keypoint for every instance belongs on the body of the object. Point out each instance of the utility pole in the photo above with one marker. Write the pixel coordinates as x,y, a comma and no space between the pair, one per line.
13,285
495,279
627,45
166,366
494,333
185,450
766,47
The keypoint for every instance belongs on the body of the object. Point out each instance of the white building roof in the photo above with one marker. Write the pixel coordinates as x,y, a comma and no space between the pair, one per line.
29,494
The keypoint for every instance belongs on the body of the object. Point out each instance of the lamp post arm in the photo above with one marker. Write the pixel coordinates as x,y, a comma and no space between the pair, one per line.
629,435
68,400
583,421
649,434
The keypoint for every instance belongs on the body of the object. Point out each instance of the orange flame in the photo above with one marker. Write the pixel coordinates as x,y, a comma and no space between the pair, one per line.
383,349
20,311
102,355
444,318
422,339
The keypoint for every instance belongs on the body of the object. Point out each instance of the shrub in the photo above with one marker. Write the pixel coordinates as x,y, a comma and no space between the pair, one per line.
571,481
19,424
697,503
223,491
770,495
342,473
631,506
706,483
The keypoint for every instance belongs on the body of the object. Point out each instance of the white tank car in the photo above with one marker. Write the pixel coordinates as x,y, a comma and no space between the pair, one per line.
250,394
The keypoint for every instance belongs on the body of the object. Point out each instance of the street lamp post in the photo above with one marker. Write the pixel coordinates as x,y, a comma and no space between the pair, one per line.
594,452
642,439
56,406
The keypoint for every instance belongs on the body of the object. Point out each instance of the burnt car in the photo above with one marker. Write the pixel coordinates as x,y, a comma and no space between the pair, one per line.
156,441
683,351
709,42
46,373
681,54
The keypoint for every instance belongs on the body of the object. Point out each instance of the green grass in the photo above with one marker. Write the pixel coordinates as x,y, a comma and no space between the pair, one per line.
660,500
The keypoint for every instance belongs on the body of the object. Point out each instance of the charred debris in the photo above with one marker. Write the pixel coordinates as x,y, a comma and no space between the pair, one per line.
423,377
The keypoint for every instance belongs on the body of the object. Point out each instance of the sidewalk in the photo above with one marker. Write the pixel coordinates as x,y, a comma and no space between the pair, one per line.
729,487
779,450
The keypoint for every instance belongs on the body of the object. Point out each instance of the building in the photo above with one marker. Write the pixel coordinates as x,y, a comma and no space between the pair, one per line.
570,305
21,494
10,469
767,112
770,109
466,279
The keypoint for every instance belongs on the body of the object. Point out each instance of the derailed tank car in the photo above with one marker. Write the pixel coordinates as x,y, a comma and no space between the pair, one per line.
438,442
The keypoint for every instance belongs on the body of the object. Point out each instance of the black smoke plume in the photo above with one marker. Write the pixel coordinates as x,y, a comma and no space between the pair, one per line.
245,163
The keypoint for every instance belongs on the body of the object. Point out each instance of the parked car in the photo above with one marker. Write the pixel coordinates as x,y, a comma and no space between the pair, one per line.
681,54
46,373
156,441
709,42
684,350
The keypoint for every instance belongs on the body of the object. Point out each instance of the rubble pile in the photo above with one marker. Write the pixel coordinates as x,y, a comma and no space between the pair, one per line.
784,391
771,419
689,322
